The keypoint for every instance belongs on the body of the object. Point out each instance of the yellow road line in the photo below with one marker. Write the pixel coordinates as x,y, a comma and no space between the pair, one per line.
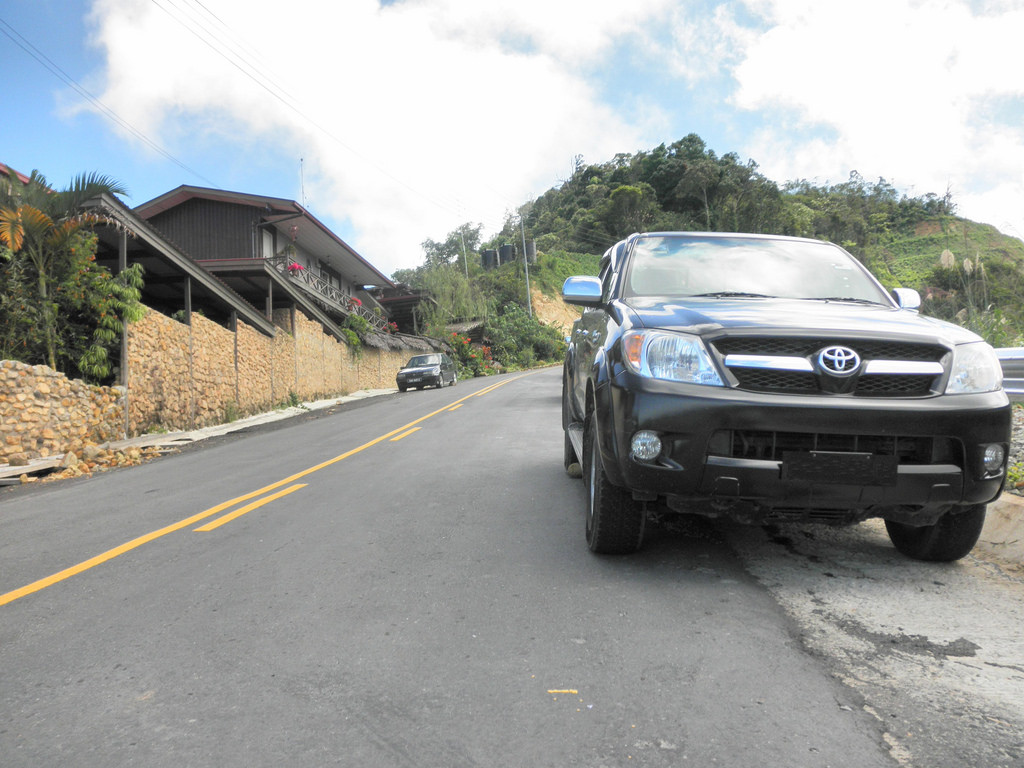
405,434
492,387
110,554
248,508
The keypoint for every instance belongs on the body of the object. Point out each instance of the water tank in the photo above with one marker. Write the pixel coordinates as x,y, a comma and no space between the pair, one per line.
531,251
506,254
489,259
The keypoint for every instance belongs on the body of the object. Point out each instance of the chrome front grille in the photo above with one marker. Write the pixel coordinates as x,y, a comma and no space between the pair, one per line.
790,366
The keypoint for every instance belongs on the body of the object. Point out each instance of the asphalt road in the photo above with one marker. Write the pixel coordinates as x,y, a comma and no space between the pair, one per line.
407,585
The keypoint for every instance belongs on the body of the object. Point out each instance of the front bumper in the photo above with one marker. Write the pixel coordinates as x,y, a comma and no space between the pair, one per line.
755,456
419,380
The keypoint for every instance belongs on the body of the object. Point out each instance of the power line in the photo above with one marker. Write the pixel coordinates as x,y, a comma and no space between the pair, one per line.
253,72
19,40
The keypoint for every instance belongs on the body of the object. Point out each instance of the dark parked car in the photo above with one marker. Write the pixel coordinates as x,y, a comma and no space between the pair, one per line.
767,378
433,370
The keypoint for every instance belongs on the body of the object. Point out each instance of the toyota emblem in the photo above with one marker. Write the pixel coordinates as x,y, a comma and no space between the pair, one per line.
839,361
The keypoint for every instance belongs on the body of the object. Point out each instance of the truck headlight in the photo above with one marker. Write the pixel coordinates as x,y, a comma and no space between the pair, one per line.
670,356
975,369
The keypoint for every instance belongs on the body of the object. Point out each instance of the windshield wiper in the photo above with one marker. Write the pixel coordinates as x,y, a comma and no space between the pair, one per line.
844,298
731,295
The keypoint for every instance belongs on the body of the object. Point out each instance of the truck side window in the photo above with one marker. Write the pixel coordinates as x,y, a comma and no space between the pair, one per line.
607,282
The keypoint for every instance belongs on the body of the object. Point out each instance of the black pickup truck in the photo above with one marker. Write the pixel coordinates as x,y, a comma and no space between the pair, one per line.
765,379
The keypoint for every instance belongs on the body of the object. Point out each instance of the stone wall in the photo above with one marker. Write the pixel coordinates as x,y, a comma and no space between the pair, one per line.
182,377
255,377
42,413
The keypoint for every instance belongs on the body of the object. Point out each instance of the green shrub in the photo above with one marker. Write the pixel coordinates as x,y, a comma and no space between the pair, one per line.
521,341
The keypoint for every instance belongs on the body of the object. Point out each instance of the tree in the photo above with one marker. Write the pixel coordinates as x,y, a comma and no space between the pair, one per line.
452,251
629,209
60,307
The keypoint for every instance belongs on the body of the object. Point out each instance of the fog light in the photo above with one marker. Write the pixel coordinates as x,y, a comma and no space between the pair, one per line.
993,458
646,445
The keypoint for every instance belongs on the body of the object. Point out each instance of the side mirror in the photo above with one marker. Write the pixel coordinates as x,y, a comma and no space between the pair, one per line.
584,291
907,298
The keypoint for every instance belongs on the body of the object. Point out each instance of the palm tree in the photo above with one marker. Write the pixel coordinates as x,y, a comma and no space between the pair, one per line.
43,225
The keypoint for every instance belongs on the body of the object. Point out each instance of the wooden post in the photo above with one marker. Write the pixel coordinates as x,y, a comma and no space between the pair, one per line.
191,354
122,265
295,348
234,331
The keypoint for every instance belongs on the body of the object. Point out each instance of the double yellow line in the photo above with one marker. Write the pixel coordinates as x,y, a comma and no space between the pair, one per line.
128,546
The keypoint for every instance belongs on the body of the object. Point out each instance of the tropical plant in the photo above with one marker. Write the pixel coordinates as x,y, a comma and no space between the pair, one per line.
60,307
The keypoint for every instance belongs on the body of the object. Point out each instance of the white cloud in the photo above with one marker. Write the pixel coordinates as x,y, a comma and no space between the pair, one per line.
412,118
420,115
704,48
900,88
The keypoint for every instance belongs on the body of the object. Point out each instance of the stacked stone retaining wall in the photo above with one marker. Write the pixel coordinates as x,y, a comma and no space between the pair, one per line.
179,379
182,377
43,413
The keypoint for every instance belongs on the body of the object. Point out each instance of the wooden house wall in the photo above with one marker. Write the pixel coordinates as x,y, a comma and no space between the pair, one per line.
208,229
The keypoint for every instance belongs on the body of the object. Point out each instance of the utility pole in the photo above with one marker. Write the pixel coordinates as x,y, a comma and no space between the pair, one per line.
526,265
465,258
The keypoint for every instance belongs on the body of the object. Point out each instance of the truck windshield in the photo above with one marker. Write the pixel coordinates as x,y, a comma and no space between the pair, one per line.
724,267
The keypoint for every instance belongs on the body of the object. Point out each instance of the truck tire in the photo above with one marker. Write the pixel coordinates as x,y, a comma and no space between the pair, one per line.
952,537
615,520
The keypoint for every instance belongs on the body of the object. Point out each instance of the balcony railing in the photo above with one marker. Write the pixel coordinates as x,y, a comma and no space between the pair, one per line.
329,294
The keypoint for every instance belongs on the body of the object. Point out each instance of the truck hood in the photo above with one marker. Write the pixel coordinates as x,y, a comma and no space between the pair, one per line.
708,315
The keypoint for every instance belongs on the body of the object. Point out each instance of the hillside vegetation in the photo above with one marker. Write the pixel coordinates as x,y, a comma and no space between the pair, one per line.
966,272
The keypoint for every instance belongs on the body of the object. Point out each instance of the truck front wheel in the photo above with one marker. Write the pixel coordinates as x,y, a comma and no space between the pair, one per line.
950,538
615,520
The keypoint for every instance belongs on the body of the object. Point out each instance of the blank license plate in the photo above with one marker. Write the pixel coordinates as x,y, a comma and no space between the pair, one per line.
840,468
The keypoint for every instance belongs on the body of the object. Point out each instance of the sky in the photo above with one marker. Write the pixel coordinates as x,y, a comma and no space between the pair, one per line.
397,121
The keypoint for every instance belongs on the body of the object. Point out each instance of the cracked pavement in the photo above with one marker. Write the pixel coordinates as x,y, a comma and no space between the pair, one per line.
936,650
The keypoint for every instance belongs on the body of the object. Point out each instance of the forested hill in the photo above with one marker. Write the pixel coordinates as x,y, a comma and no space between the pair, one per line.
965,271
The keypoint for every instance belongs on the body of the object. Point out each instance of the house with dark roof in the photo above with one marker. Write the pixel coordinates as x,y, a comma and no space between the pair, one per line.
271,251
174,284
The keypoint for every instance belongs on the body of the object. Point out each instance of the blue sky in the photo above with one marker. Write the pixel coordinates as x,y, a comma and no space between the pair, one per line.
397,122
